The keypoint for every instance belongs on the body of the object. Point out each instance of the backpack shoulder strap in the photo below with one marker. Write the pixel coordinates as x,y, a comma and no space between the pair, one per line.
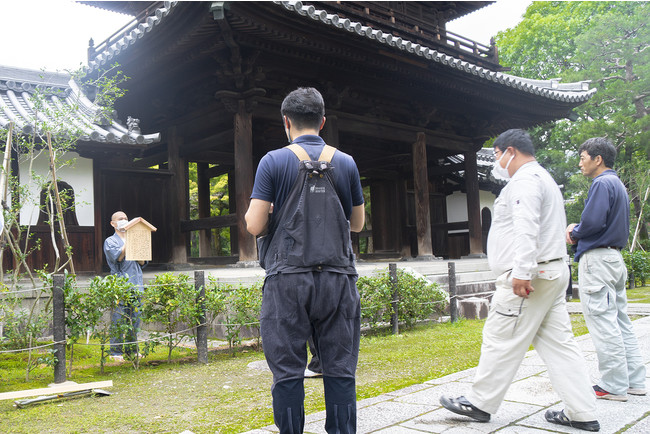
327,153
299,151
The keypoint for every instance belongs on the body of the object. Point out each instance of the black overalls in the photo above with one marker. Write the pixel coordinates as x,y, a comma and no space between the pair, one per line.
310,289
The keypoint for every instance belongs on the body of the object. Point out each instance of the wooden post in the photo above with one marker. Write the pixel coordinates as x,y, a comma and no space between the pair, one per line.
244,177
421,181
99,216
232,206
178,196
203,184
473,206
202,328
403,223
392,271
453,302
58,321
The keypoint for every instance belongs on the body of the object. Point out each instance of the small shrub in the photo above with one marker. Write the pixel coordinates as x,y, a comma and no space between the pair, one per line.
240,306
171,300
105,294
417,298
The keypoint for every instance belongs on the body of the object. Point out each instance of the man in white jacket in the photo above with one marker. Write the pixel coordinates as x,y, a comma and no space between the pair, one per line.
527,253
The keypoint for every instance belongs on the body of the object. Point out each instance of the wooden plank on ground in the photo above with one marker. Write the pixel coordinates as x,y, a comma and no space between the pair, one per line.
56,389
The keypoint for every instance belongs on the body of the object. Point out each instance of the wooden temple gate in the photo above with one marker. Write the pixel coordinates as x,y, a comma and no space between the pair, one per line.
401,95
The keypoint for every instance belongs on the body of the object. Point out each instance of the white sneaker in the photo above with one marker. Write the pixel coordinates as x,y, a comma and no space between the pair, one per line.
311,374
636,391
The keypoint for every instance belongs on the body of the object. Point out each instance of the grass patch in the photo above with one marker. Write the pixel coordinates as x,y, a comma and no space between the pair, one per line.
639,295
226,396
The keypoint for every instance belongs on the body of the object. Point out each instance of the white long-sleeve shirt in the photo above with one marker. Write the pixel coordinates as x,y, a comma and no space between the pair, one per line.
529,223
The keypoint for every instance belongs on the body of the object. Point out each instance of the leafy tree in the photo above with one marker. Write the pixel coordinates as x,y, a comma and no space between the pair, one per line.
609,44
49,134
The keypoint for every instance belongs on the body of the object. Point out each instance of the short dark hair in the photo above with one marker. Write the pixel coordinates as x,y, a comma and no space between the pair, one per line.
518,139
305,107
600,146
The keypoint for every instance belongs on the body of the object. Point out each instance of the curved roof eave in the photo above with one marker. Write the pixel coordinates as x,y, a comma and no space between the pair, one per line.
60,93
574,93
552,89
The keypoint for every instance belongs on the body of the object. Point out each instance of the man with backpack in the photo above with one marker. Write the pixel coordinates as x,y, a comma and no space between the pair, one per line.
306,199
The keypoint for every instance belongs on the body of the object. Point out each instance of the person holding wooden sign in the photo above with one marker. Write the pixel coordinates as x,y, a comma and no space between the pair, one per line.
115,251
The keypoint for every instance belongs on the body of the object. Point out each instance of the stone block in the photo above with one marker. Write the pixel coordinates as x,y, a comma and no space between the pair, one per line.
473,307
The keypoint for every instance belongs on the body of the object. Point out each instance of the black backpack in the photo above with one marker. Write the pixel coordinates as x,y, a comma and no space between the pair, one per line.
311,231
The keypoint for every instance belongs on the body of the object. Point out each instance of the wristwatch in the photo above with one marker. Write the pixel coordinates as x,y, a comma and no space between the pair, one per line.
574,239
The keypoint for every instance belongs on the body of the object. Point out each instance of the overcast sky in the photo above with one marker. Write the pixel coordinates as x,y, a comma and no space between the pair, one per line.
53,34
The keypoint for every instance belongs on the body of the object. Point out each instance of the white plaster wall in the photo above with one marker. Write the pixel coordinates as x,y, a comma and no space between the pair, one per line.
487,199
79,174
457,206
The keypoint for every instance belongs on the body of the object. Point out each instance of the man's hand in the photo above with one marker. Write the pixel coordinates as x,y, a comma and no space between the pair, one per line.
568,233
521,288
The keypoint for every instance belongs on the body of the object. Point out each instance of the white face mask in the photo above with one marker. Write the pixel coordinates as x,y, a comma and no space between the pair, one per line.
499,172
121,224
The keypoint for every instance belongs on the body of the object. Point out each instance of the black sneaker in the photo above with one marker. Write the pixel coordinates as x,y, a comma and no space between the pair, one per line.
462,406
560,418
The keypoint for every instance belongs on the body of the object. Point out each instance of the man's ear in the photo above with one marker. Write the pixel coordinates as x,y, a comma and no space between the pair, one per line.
287,122
598,160
322,124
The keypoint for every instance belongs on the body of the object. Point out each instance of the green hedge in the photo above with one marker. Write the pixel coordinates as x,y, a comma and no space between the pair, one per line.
172,301
638,267
418,298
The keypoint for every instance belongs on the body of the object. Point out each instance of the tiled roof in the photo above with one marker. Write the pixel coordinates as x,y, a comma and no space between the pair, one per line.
132,35
569,92
566,92
61,94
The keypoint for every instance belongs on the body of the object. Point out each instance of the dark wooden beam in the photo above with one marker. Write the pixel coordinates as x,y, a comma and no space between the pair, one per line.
447,169
219,170
201,224
220,140
454,226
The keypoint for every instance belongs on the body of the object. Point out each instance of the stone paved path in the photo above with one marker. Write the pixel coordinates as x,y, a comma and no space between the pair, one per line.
416,409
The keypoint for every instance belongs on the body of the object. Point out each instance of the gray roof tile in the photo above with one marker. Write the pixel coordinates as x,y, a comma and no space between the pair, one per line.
61,94
552,89
570,92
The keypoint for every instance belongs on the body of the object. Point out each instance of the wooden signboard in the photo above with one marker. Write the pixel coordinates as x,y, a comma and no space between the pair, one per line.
138,239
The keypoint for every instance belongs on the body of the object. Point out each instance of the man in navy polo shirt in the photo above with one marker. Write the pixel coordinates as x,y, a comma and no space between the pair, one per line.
601,234
303,299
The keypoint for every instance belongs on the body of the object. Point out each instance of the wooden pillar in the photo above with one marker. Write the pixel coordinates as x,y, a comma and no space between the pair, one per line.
203,186
232,207
99,217
473,206
178,196
402,200
421,184
244,176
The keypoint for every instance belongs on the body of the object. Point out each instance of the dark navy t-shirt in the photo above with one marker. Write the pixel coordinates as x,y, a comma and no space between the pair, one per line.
605,221
278,170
